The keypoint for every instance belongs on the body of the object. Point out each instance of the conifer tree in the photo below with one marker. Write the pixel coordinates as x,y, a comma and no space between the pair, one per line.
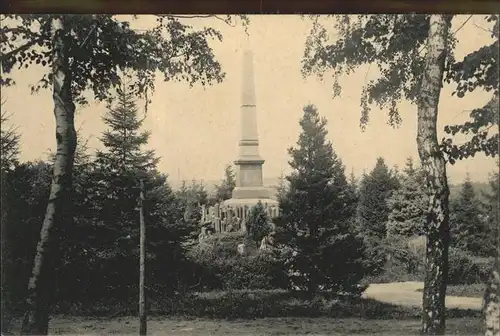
375,190
124,140
408,204
118,170
316,212
373,211
258,224
468,230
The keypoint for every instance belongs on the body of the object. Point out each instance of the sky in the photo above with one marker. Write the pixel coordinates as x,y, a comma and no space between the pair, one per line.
195,130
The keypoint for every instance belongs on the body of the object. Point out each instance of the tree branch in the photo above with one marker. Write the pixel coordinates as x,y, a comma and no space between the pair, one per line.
20,49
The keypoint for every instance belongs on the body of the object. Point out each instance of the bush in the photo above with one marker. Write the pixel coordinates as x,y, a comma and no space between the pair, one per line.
467,269
406,264
258,223
219,266
403,263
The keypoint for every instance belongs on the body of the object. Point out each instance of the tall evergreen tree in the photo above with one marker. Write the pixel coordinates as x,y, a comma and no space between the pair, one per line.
373,211
123,140
258,224
468,230
408,204
225,189
118,170
375,189
316,212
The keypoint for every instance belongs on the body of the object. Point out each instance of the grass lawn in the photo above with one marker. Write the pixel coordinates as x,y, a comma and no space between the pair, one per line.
472,290
260,313
265,326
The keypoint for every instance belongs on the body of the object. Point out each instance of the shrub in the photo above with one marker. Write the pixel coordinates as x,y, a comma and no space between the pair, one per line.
467,269
219,266
258,223
404,262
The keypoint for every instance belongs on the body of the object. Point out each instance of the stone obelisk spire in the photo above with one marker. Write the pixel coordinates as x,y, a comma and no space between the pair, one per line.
249,182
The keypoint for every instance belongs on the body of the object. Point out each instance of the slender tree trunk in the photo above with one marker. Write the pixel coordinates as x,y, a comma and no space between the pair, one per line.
142,267
491,303
36,317
6,272
434,166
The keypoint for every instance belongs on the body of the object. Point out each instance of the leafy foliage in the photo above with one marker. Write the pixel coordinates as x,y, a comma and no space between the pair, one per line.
191,198
219,266
466,268
95,53
316,214
391,42
395,44
478,70
24,192
258,223
225,189
102,47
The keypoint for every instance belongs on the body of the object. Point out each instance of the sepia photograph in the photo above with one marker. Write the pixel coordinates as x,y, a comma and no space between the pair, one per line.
250,174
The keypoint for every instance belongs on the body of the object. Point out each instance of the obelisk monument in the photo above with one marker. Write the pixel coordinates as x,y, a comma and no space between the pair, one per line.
249,178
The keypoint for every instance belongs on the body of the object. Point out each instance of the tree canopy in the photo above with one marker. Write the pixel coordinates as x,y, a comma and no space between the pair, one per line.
105,48
396,45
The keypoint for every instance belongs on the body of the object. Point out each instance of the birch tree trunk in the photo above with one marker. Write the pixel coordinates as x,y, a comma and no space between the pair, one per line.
491,303
434,166
36,317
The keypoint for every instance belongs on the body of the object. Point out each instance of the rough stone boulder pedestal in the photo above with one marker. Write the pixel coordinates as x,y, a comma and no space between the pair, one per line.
242,249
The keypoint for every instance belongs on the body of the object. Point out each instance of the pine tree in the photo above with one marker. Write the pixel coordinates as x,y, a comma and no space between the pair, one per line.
316,212
123,140
225,189
373,211
118,170
258,224
376,188
468,230
408,204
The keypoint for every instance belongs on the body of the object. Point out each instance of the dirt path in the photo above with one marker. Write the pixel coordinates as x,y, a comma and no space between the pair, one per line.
407,294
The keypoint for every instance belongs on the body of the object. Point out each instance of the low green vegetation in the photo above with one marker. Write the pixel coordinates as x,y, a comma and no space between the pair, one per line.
470,290
181,326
